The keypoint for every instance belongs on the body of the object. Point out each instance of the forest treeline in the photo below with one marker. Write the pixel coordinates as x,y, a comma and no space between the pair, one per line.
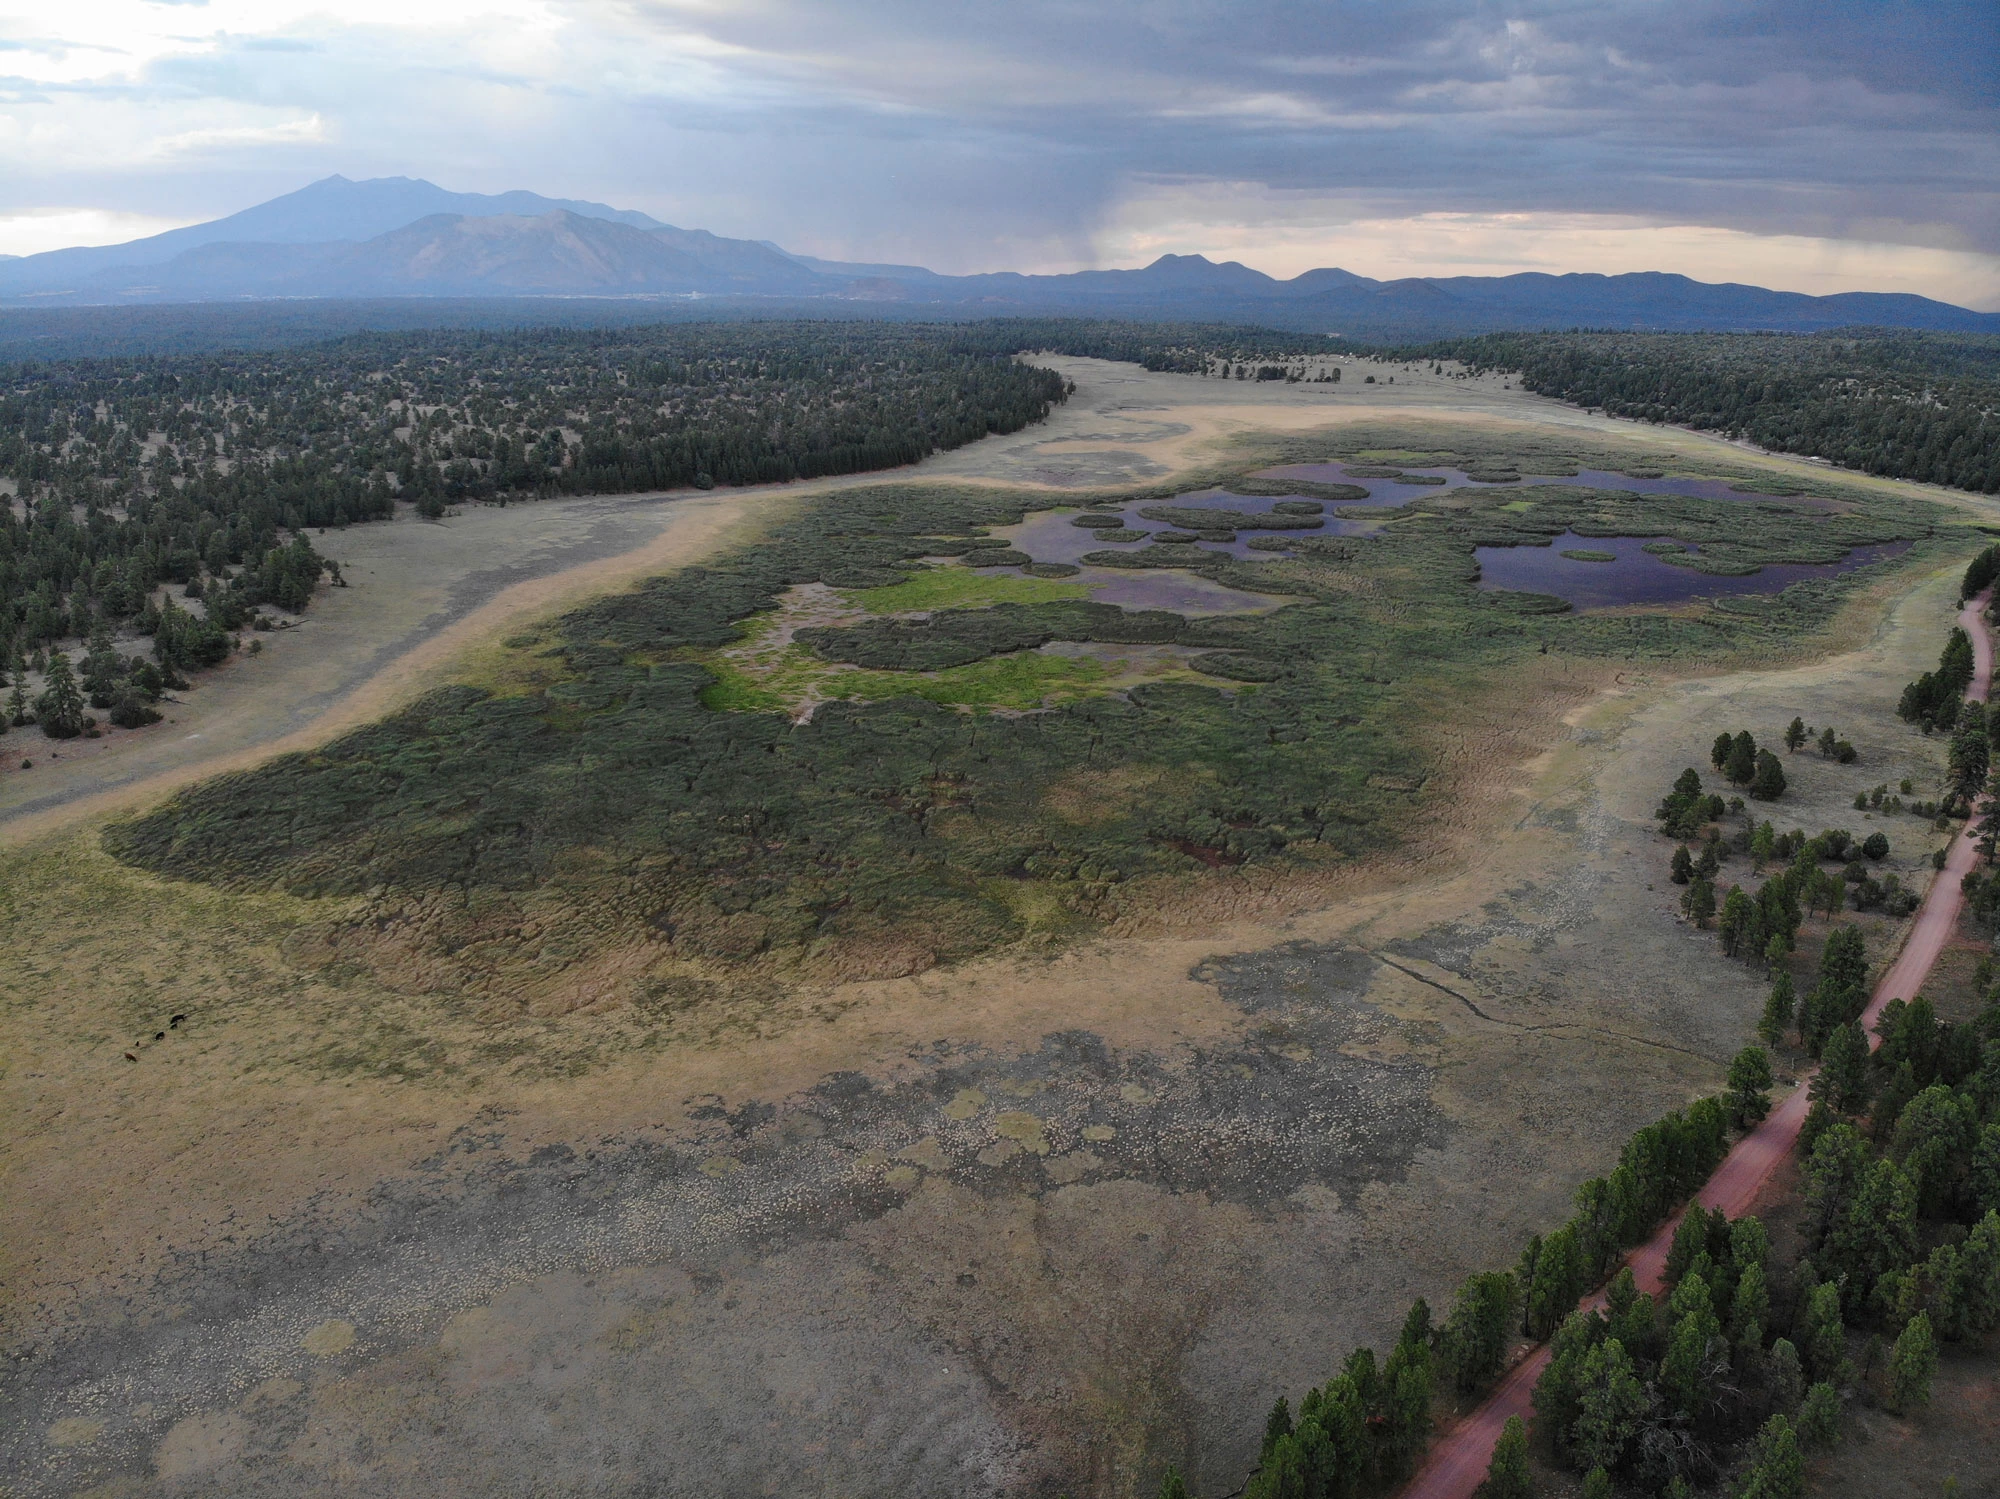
1906,405
133,472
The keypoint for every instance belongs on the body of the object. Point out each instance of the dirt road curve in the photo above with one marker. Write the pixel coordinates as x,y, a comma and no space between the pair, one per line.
1459,1459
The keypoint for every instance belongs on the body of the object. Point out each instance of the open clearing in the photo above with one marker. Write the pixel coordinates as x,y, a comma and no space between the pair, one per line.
1038,1222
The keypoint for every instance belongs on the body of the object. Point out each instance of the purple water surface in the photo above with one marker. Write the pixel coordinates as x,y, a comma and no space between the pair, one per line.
1395,492
1639,577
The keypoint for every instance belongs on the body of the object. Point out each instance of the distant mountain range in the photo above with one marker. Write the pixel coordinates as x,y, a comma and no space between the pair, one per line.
399,237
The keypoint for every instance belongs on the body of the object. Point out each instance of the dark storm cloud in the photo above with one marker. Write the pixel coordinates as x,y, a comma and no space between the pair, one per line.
1806,118
984,135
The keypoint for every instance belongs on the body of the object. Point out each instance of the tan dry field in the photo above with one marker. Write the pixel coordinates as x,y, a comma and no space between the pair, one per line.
1038,1224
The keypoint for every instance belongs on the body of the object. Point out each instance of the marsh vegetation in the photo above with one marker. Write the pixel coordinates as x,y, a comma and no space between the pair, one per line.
695,775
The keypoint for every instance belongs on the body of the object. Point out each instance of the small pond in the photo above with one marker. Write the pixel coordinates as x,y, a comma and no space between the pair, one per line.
1636,576
1383,491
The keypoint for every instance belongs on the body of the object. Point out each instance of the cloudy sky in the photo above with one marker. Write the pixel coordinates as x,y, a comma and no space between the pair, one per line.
1817,146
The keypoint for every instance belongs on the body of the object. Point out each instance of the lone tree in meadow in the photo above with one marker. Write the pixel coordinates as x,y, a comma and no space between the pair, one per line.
1795,735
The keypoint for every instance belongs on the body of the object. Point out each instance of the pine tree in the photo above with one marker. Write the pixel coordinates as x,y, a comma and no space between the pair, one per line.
1824,1334
1507,1476
1172,1485
59,709
1795,735
1843,1070
1777,1470
1741,766
1819,1416
1681,869
1778,1010
1611,1404
1277,1424
1768,780
1784,1375
1912,1365
1750,1310
1750,1085
1828,743
1699,903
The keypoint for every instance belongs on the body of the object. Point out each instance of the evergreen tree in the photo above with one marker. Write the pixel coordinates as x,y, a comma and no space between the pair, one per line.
1741,766
1559,1391
1768,780
1473,1341
1750,1310
1795,735
1777,1470
1823,1337
59,708
1277,1424
1611,1403
1681,870
1843,1073
1750,1085
1784,1375
1172,1485
1819,1416
100,668
1828,744
1912,1365
1778,1010
1507,1476
1718,754
1699,903
1406,1431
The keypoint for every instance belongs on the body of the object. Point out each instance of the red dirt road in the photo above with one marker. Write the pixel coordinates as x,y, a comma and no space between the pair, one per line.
1458,1460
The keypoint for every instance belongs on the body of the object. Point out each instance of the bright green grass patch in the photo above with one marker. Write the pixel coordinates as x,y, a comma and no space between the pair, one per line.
794,676
1588,554
962,588
1518,507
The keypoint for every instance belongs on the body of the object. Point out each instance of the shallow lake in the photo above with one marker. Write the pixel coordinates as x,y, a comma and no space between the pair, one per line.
1636,576
1633,576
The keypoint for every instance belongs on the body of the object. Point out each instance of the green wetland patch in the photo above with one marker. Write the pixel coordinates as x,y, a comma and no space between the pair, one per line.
858,747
